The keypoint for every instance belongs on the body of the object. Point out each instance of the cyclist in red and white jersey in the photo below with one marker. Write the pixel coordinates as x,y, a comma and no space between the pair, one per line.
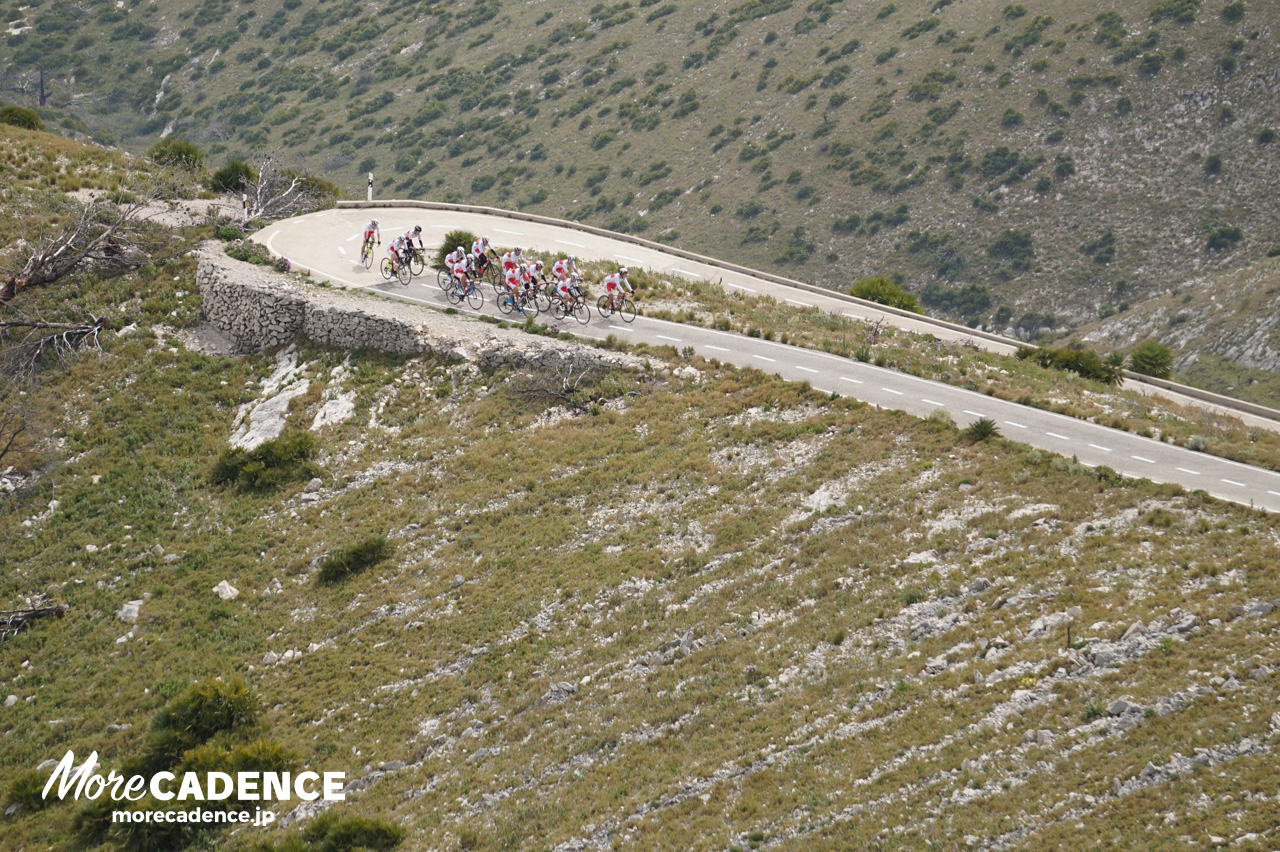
458,263
617,285
512,259
565,267
372,232
398,249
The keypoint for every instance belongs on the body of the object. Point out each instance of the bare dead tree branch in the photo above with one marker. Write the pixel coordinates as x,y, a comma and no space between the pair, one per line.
279,192
100,233
13,622
37,339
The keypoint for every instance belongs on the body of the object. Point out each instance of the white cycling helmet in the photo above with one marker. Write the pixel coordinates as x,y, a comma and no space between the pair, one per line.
484,240
572,259
417,229
538,266
622,271
461,250
518,250
374,223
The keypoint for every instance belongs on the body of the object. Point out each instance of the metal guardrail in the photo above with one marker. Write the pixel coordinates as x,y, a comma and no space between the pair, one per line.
1215,399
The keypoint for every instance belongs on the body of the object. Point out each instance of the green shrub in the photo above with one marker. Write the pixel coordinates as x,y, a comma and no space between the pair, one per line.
1014,246
1152,359
982,429
208,708
232,177
266,466
970,300
21,117
1233,13
1198,443
1092,710
1082,362
883,291
451,241
1224,238
354,559
179,153
27,791
1182,11
1213,164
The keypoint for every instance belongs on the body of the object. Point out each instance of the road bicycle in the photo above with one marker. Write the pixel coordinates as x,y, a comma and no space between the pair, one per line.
525,301
417,263
622,306
390,269
575,306
469,292
366,253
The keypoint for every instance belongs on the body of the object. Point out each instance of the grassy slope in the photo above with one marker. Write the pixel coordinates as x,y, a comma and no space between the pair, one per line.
815,557
590,113
825,696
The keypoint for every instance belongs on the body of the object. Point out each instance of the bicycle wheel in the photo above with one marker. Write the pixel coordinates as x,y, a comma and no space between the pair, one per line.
627,310
505,304
416,263
557,309
581,312
602,305
475,297
366,256
529,305
385,268
452,294
443,278
404,273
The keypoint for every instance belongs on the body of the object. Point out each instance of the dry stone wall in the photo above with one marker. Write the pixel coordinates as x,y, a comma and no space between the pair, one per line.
260,309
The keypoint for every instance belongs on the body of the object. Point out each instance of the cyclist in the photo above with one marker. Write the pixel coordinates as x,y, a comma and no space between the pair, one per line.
456,260
398,249
517,278
480,254
512,258
534,271
617,286
565,267
414,233
567,290
371,233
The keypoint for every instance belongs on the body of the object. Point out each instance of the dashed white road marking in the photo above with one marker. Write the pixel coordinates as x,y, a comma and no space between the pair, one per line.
847,379
974,413
664,337
341,250
718,348
1056,435
1141,459
806,369
1192,472
1274,493
891,390
763,358
618,327
567,243
512,233
1098,447
738,286
632,259
801,304
931,402
1018,425
686,272
1233,482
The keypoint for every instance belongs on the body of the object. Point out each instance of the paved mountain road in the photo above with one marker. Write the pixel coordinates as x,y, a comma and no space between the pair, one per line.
328,243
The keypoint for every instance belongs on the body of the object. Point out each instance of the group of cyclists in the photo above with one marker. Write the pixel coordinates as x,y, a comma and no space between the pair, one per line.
521,277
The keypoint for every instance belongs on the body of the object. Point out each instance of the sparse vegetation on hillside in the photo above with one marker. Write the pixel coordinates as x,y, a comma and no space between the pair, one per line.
972,114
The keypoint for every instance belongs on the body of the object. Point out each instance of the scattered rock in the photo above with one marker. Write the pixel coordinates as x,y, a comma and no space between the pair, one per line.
1254,610
115,729
13,699
129,612
557,694
1119,707
313,486
979,586
226,591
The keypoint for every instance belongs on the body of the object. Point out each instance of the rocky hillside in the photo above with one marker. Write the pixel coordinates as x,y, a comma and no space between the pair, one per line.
1023,167
681,606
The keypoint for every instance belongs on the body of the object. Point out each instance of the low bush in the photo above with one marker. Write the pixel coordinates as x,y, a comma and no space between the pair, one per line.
451,241
255,253
982,429
27,791
354,559
1082,362
177,152
232,176
1152,359
267,466
21,117
883,291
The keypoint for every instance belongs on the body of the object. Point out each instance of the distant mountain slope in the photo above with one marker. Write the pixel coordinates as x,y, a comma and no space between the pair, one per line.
1023,166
